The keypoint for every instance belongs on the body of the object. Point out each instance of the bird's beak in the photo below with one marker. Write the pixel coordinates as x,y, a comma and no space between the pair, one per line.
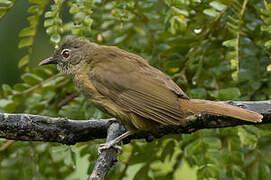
49,60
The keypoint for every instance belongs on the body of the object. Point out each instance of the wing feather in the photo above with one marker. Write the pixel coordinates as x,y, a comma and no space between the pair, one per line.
156,112
137,87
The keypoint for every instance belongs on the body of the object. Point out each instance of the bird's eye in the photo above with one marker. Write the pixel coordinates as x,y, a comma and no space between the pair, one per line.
65,53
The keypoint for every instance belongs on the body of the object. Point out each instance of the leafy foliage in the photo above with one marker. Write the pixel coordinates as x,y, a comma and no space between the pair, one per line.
4,6
36,9
54,23
213,49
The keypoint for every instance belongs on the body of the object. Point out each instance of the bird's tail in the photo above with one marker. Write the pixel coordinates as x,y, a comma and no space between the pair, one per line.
211,107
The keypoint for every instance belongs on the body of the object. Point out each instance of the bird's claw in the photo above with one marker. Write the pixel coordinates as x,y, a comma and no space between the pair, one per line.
110,121
109,145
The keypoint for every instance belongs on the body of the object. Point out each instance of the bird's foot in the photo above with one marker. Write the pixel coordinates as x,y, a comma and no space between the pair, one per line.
110,121
108,145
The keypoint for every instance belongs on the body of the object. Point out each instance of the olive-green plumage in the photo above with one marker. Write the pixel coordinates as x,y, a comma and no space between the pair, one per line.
126,86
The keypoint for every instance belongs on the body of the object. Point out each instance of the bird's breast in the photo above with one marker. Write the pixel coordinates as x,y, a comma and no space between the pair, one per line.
83,82
84,85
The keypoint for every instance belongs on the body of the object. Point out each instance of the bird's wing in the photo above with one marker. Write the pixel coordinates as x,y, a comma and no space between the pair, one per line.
137,87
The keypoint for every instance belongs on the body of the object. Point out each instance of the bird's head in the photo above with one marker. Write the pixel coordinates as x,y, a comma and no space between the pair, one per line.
70,54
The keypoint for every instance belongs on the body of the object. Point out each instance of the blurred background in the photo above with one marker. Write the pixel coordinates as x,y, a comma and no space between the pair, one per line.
10,26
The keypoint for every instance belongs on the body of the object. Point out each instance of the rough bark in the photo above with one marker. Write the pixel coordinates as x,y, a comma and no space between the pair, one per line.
28,127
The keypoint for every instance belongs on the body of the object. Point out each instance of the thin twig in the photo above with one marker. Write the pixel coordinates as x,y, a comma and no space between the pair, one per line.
6,145
243,8
41,83
122,175
238,37
67,99
265,3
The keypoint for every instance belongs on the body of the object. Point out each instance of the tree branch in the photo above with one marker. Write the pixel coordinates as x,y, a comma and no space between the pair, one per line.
28,127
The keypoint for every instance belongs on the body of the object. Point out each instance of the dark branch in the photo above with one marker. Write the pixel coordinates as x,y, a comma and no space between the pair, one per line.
47,129
28,127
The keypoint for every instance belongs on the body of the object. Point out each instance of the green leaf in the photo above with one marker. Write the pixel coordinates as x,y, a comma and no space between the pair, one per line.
199,93
177,23
17,98
229,94
247,138
168,150
70,159
264,171
54,82
211,12
212,142
31,79
88,21
51,30
267,44
74,9
48,96
49,22
42,72
34,9
7,89
50,14
217,5
28,31
5,2
36,2
4,6
21,86
235,157
2,12
7,105
72,111
234,28
265,28
195,147
230,43
142,173
207,172
24,61
213,94
180,11
60,149
234,64
25,42
33,20
234,74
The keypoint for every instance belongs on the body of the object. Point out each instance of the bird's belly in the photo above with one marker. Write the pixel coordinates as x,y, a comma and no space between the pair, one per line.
128,119
85,86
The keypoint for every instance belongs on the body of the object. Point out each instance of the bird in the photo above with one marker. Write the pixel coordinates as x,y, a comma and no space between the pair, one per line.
127,87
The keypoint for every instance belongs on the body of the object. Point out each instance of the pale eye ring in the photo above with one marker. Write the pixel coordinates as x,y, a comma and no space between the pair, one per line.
65,53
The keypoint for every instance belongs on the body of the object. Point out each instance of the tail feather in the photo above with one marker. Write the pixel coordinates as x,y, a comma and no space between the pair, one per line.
211,107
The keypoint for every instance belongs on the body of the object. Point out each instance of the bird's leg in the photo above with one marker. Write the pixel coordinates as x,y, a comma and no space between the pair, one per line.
113,143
